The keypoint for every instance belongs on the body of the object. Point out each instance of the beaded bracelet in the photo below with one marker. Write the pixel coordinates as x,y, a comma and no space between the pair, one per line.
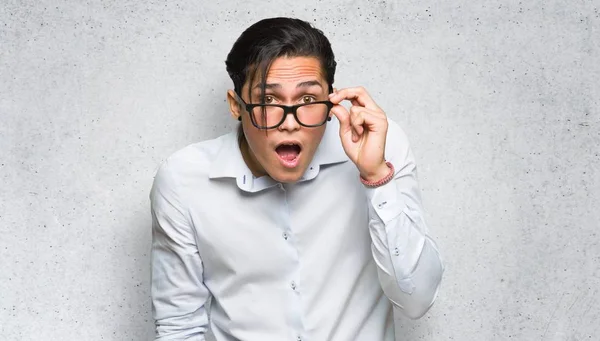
383,181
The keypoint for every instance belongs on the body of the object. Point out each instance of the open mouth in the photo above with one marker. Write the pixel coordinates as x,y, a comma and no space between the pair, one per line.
288,153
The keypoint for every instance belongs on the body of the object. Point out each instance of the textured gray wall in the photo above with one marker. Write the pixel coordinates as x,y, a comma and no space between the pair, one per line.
500,100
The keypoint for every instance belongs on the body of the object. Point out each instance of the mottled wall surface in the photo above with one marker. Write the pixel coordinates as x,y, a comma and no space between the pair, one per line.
500,101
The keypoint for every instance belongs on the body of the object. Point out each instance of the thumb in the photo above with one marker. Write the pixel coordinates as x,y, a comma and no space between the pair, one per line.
343,116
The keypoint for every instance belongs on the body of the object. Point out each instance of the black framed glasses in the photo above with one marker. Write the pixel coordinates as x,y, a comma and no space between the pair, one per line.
269,116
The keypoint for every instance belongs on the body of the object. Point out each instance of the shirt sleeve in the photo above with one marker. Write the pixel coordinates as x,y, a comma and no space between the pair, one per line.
178,292
408,263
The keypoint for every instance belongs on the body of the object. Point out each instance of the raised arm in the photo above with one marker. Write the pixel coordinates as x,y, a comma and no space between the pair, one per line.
408,262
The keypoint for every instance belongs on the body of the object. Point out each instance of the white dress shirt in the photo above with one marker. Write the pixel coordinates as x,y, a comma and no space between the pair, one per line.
323,259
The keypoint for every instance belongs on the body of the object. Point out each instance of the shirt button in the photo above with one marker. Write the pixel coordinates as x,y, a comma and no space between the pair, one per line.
396,252
285,235
293,285
280,186
299,338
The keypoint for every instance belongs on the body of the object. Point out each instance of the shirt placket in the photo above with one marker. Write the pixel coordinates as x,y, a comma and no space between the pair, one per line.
291,278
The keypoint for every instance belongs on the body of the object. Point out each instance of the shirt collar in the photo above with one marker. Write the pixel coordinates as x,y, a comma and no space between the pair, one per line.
229,162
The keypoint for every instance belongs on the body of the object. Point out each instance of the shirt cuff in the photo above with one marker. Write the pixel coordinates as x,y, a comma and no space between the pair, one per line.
385,201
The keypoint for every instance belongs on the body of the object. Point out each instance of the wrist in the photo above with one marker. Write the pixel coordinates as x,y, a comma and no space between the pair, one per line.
377,174
377,179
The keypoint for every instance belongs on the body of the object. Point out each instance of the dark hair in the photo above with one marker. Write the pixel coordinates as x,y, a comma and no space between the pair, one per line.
263,42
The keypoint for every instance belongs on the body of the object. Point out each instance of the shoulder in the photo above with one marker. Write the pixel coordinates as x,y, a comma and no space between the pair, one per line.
192,161
397,145
396,132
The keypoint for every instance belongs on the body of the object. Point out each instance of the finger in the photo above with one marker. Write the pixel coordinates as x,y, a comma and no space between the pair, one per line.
357,107
359,95
357,119
374,115
362,118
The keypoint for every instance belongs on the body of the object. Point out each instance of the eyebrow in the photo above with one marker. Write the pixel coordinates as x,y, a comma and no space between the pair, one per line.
307,84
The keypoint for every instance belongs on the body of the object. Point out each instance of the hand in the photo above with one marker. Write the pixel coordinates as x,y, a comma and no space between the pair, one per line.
362,131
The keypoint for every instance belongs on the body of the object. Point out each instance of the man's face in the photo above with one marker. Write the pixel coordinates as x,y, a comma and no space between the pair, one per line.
285,152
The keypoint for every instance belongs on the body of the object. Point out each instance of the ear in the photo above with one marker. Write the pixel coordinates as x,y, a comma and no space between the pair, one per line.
234,106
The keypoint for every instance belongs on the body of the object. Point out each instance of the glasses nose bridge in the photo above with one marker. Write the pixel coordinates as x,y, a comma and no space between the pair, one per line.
289,110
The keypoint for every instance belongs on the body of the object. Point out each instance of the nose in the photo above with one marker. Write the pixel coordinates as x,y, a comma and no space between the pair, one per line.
290,123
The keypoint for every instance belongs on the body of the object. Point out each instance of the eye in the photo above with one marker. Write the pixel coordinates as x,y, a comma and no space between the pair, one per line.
269,99
308,99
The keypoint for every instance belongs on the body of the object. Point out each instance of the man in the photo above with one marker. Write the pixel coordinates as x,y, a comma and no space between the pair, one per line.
305,225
